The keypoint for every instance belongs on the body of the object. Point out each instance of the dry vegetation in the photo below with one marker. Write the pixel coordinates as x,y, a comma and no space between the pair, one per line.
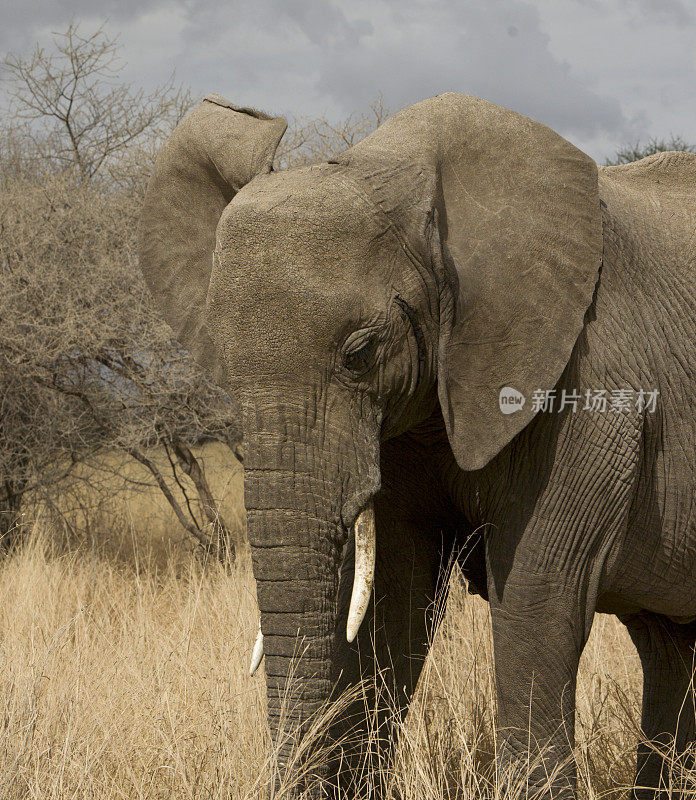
86,363
127,677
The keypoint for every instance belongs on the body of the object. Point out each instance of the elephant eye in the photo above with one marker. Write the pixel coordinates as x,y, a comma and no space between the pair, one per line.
359,352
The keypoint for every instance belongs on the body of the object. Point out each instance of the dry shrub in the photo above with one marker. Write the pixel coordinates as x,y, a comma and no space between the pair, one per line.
85,361
110,506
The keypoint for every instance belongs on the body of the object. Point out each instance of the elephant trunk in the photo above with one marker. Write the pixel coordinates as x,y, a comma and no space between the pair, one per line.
296,537
305,487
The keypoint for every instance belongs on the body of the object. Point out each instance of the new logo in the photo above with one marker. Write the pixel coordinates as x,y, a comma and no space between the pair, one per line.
510,400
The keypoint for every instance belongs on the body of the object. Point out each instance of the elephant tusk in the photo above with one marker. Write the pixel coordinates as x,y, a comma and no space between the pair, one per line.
365,551
257,653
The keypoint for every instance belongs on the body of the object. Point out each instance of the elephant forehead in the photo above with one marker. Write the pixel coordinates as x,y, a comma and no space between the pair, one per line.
316,241
311,208
306,247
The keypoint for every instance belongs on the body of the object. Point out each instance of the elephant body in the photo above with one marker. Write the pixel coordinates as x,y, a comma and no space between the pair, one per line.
569,531
368,313
652,298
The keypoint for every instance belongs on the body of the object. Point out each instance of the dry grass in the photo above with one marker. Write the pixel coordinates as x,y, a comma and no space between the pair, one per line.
122,682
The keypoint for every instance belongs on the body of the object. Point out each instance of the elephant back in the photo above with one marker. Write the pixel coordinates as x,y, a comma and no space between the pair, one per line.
658,195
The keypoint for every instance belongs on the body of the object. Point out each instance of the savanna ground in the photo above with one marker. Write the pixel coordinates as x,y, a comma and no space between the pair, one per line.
124,674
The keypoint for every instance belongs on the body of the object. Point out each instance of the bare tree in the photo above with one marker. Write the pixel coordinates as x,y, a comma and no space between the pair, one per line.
634,152
88,118
310,141
85,361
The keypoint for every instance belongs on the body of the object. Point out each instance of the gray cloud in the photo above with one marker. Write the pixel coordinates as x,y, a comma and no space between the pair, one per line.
669,10
599,73
23,21
497,51
674,11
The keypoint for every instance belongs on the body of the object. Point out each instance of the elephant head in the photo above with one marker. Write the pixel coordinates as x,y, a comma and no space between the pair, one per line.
450,254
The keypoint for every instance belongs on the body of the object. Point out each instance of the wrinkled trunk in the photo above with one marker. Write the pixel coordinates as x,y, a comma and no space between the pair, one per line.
296,537
306,480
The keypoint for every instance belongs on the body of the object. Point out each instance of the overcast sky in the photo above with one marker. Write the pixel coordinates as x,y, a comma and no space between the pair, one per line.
600,72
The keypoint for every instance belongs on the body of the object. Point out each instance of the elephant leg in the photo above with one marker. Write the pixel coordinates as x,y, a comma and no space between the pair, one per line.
538,637
666,651
546,561
389,652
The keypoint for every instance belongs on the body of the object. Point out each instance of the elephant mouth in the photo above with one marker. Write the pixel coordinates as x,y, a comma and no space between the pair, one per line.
365,533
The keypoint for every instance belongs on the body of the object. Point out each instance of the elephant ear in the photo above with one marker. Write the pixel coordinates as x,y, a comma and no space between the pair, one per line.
508,214
215,150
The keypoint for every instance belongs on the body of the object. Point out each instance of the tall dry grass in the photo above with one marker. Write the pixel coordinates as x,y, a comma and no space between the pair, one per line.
123,682
119,682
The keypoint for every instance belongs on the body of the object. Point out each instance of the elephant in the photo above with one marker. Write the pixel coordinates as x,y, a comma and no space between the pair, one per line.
461,335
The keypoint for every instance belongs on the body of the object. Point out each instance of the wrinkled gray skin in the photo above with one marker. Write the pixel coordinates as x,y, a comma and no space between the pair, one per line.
366,313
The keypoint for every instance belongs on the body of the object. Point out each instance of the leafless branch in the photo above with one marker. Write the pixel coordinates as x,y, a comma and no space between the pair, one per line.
90,119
